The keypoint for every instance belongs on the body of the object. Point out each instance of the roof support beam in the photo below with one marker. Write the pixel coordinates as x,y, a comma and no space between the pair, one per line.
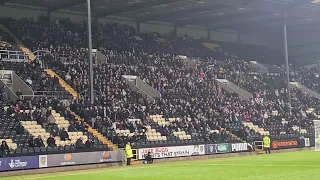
216,18
3,1
278,8
246,23
294,5
134,7
275,26
65,5
180,13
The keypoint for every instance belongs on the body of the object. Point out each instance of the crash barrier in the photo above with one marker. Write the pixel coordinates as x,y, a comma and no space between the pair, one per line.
219,148
55,160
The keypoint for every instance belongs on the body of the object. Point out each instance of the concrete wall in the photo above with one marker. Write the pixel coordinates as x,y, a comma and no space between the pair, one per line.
195,32
304,46
18,12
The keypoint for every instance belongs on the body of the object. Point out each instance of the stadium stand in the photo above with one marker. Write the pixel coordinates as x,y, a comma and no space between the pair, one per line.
193,107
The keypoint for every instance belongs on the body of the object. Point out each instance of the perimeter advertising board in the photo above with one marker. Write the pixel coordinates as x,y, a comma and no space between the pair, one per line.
80,158
218,148
19,163
172,151
285,144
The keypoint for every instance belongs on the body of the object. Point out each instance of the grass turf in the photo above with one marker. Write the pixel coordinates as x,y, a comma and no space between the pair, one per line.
284,166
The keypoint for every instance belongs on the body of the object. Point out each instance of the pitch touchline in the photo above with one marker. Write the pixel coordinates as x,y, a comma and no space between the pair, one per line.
260,165
93,171
159,165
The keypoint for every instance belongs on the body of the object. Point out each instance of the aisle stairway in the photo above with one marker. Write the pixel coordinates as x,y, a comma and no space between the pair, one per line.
65,85
19,43
102,138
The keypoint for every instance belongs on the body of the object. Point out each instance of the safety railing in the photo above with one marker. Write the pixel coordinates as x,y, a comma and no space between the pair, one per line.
85,94
13,56
57,94
258,145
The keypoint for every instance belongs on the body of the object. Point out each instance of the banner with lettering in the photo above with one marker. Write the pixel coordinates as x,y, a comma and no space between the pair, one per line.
218,148
19,163
240,147
285,144
173,151
68,159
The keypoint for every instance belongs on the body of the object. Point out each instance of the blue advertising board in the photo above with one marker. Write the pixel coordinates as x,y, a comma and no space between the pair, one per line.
19,163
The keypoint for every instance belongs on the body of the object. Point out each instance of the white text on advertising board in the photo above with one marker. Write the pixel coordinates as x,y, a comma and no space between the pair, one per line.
17,163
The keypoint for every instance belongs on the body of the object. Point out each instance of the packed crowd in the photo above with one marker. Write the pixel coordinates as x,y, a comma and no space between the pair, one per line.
35,77
191,93
7,42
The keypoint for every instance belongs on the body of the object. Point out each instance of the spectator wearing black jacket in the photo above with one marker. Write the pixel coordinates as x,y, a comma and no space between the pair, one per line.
64,135
38,142
79,144
88,144
4,149
51,141
31,142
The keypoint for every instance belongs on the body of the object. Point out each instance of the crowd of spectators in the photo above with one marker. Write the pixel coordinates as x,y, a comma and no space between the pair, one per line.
191,93
39,110
7,42
33,75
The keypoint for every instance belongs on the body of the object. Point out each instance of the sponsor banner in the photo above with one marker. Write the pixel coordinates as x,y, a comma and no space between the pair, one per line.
306,142
239,147
285,144
173,151
19,163
43,161
218,148
80,158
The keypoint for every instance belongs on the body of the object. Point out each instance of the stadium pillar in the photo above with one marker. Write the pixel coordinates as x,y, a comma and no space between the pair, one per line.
209,34
175,31
239,37
286,59
138,26
49,17
90,51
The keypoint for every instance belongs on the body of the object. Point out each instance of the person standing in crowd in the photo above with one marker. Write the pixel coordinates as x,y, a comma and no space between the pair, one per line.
64,135
129,154
266,144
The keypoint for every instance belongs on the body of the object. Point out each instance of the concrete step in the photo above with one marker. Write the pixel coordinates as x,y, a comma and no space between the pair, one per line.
97,134
66,86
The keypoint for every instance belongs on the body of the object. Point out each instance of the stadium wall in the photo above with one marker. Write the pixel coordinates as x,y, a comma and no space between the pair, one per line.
304,46
17,11
300,43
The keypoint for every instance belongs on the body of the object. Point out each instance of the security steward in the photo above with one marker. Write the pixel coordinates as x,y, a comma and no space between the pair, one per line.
129,154
266,144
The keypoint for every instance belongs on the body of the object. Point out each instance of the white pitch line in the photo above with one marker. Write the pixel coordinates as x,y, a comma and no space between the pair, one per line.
82,172
261,165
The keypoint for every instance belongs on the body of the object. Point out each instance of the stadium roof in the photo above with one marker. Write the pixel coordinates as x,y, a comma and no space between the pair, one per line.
241,15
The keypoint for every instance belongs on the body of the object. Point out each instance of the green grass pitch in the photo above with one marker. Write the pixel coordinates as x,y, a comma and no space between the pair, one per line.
284,166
